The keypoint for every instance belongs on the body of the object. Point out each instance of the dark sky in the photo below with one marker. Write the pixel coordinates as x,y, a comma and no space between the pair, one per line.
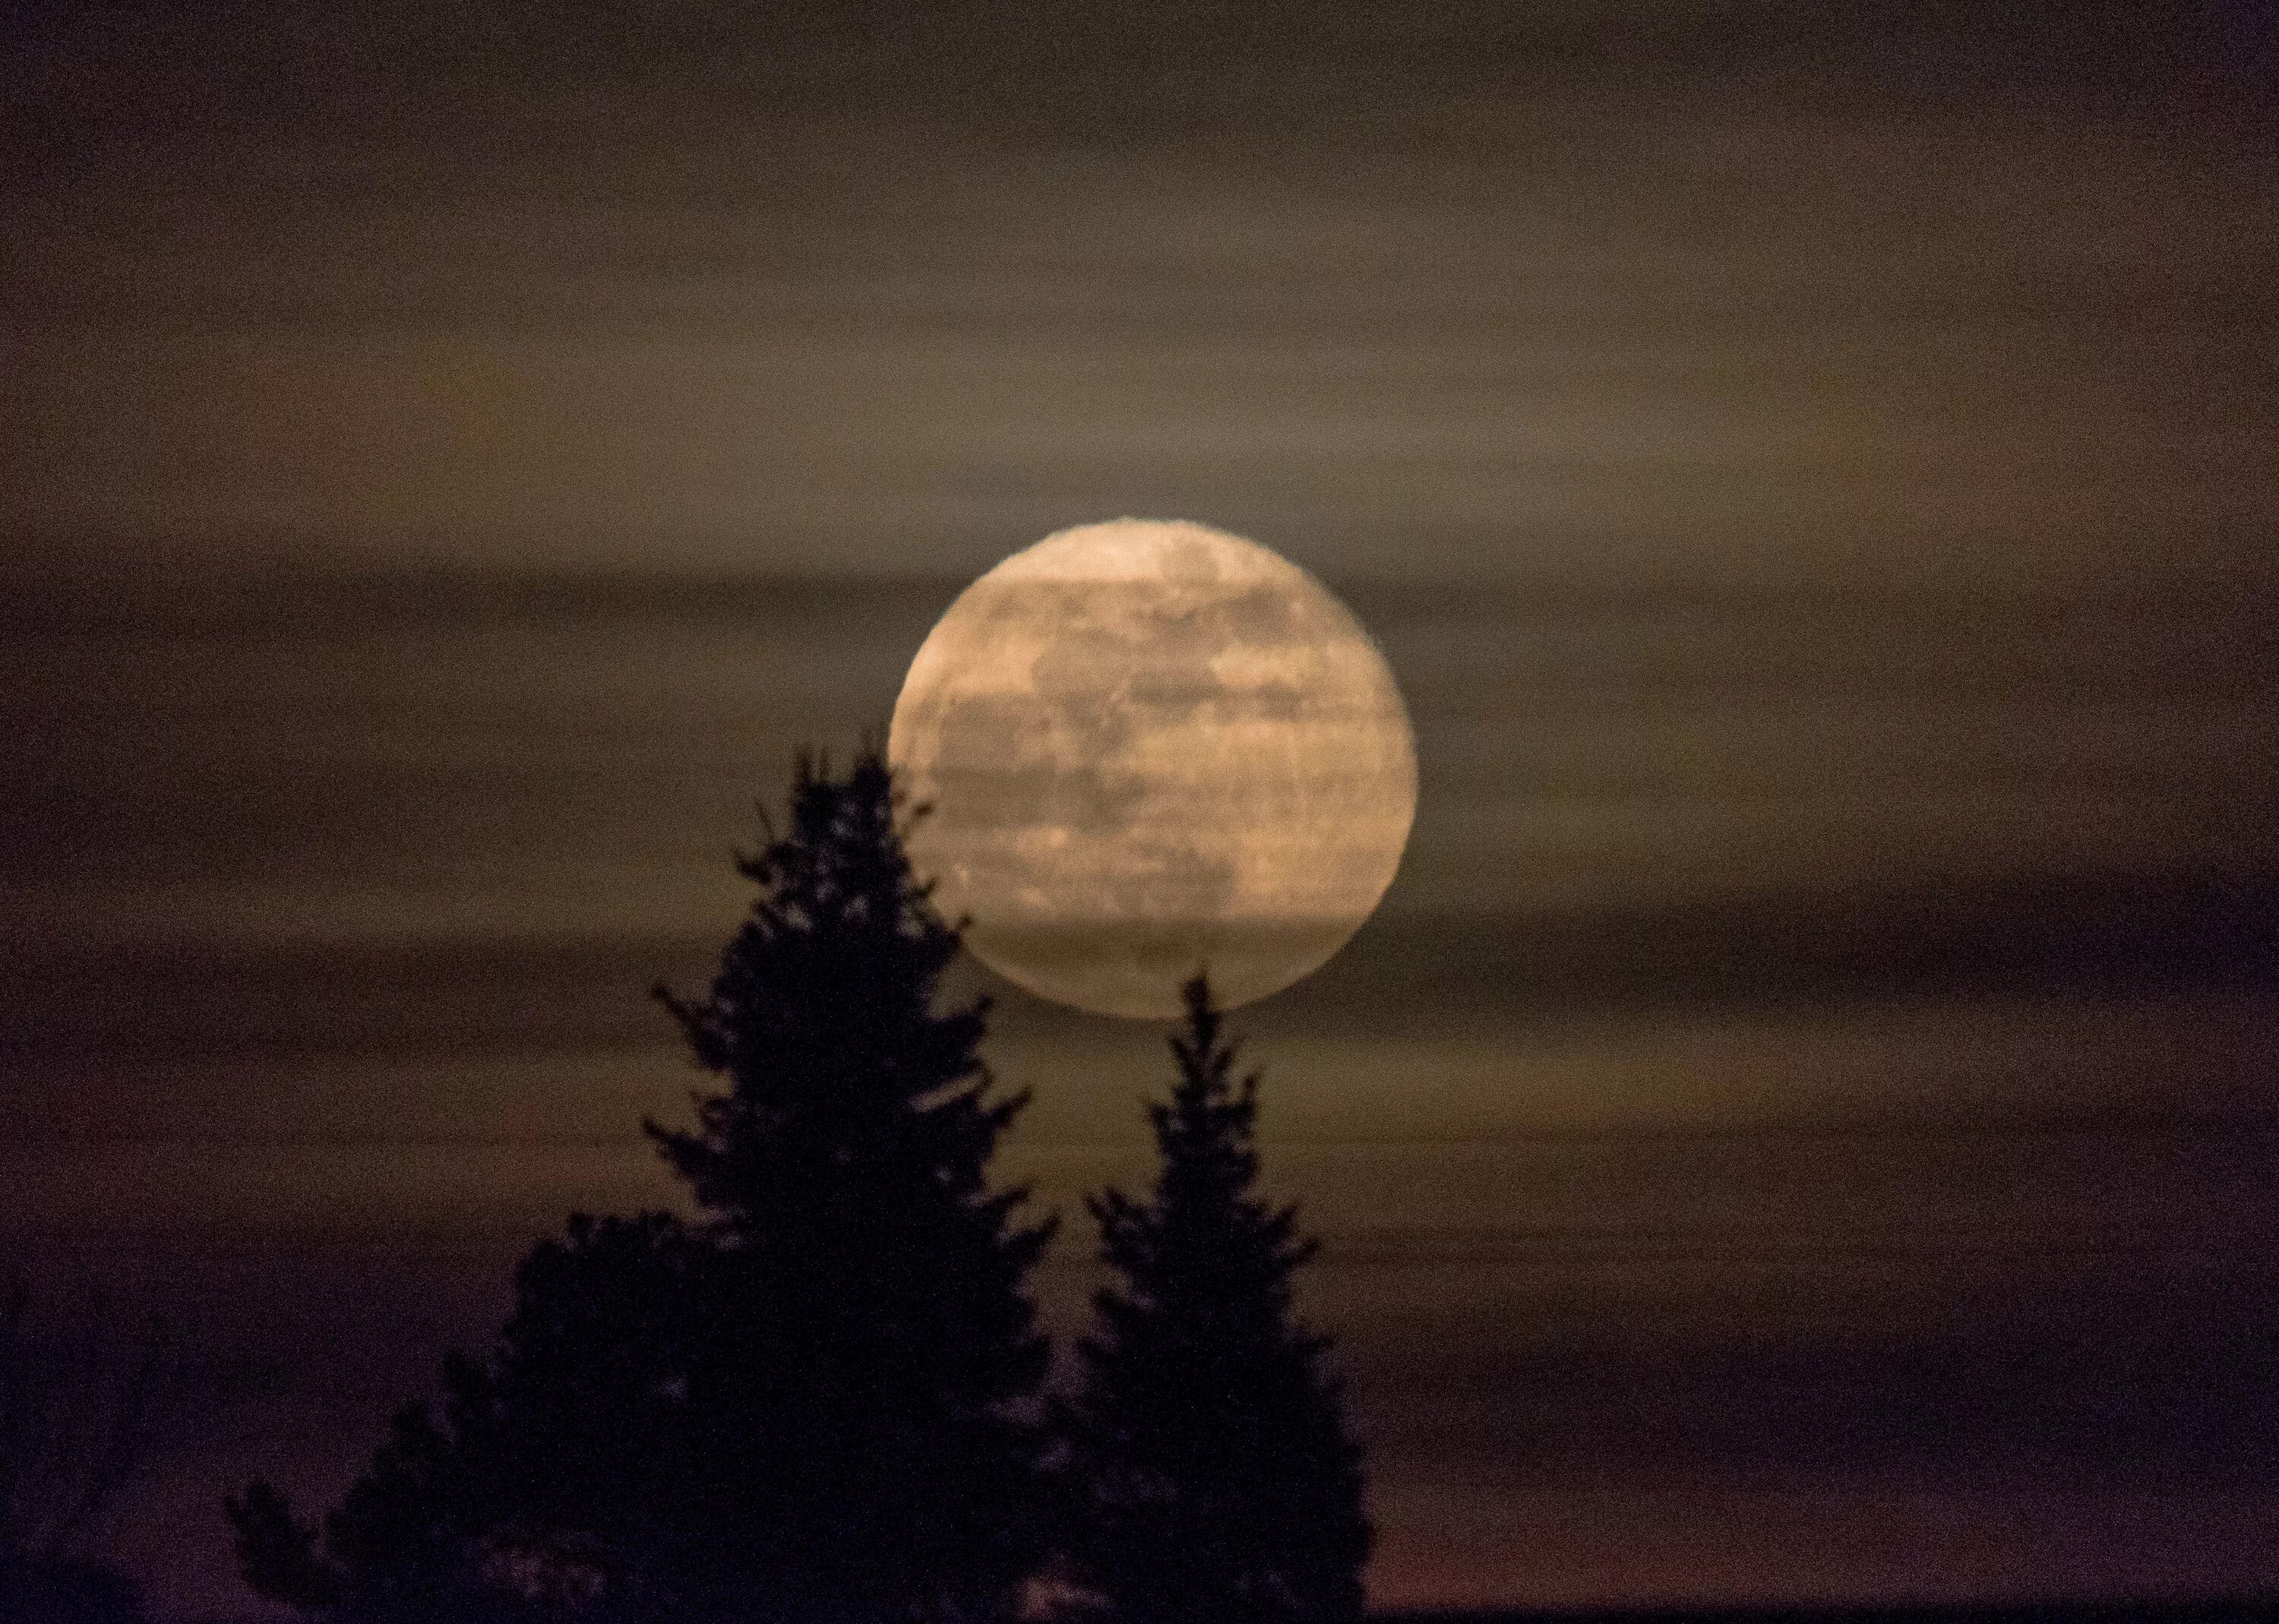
1734,291
1801,1124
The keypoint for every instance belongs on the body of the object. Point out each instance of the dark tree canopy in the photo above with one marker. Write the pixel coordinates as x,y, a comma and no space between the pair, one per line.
805,1403
873,1335
74,1421
539,1483
1214,1476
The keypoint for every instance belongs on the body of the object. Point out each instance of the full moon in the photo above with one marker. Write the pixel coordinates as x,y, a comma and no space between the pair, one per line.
1150,748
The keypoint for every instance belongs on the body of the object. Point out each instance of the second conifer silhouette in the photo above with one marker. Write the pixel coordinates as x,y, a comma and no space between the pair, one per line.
1213,1477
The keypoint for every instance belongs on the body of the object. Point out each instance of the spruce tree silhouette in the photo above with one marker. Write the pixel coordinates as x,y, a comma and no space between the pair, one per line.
870,1339
1213,1477
804,1404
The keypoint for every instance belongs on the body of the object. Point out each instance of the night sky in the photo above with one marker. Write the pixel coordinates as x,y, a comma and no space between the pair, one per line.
1803,1122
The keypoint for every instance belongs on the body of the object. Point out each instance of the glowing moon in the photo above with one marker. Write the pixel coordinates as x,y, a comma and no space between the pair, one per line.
1151,745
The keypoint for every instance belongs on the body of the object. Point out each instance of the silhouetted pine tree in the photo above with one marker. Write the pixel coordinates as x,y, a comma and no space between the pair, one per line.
1213,1474
870,1341
804,1404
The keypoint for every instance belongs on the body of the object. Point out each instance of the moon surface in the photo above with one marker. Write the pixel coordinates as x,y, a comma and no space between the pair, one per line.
1150,747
